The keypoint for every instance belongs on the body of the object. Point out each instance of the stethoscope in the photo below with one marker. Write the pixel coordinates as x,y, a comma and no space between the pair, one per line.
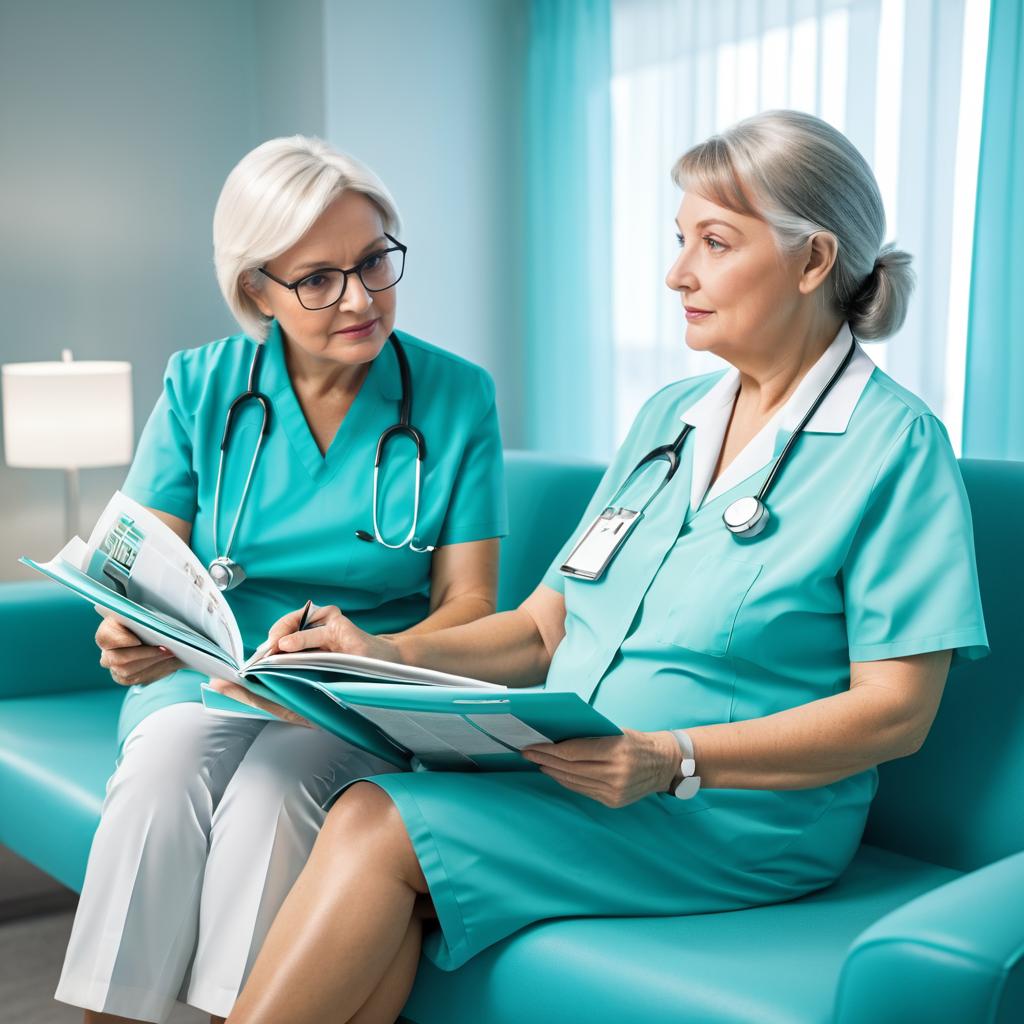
745,517
225,571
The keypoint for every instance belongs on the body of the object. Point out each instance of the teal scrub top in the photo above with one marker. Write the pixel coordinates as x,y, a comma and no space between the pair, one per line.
296,537
869,554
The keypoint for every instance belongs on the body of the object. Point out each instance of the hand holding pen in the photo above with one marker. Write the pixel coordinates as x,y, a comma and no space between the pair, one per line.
293,622
245,696
330,630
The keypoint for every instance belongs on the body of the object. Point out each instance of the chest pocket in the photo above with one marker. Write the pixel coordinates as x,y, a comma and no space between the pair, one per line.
705,614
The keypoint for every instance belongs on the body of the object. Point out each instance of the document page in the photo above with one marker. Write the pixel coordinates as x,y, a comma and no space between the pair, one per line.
136,554
436,737
509,729
356,667
151,626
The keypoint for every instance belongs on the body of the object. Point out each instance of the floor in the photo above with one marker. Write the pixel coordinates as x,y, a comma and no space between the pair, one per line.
31,954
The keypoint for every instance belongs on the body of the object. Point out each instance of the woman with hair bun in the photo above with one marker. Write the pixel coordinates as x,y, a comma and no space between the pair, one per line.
208,819
778,621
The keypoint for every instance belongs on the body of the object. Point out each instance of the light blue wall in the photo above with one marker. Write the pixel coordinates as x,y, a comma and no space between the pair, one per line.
118,123
287,67
120,120
430,96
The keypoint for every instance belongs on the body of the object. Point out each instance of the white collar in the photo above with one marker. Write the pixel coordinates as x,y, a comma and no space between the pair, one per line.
710,416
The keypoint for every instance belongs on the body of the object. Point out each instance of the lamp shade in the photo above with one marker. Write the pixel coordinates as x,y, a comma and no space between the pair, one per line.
67,415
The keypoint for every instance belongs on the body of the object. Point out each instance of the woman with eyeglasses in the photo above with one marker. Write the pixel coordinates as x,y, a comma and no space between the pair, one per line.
208,819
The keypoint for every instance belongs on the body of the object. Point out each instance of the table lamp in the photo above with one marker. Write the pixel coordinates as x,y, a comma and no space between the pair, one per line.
67,415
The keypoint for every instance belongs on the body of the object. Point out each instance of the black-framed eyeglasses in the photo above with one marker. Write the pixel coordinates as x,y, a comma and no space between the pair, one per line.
378,272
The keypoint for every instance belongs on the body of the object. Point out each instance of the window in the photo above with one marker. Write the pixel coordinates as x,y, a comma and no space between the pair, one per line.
903,79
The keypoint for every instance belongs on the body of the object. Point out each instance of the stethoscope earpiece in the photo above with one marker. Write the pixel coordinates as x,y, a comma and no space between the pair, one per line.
369,537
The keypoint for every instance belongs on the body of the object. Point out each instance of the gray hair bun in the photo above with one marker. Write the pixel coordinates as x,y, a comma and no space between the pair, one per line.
880,305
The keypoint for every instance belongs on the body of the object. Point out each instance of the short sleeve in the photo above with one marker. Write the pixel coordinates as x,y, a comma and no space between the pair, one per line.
161,474
910,577
478,508
621,466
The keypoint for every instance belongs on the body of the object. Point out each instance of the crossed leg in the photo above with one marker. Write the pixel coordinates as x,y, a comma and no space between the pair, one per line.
346,942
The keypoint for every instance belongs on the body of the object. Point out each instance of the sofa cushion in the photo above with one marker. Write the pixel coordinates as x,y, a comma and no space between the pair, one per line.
774,965
56,754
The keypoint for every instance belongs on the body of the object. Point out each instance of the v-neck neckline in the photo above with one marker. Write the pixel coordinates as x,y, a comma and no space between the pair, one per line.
321,466
738,463
717,405
782,435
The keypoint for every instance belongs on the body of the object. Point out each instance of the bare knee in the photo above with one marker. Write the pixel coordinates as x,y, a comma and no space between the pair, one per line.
365,818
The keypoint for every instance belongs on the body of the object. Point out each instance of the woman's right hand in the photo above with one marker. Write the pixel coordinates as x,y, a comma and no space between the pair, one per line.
327,629
127,658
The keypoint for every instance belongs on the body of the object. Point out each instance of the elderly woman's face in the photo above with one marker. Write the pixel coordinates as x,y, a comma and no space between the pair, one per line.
737,288
355,329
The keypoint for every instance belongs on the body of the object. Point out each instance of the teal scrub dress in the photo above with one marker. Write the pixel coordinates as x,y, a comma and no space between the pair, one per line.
296,538
869,555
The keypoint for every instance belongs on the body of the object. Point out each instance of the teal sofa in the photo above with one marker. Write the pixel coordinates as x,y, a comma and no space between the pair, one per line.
926,925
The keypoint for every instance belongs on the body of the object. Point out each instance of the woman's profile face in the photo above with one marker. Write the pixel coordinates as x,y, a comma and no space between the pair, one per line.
348,231
729,264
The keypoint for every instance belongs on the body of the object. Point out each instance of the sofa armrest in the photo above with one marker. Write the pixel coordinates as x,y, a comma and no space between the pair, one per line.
954,954
47,633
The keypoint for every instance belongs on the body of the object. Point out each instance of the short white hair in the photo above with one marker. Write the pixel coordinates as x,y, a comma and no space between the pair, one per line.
801,176
271,198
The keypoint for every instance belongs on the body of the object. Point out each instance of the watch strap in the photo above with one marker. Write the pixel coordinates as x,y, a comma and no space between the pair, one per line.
690,783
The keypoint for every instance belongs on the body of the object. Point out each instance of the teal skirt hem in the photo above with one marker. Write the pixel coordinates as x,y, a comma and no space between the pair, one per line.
448,947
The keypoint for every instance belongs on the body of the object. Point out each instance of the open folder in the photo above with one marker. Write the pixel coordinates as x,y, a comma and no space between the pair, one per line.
423,724
140,571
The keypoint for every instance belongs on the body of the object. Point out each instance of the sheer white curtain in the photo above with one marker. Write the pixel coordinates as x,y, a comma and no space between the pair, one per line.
903,79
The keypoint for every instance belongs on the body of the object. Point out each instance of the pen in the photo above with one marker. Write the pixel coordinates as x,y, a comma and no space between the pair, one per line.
303,624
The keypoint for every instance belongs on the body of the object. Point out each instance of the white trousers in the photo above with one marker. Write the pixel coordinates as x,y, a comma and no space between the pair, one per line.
206,824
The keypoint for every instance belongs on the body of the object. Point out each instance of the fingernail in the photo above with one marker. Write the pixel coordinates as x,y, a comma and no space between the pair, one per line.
164,649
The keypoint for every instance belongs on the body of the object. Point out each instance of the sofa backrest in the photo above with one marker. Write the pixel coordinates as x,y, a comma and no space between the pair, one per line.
959,800
48,636
546,497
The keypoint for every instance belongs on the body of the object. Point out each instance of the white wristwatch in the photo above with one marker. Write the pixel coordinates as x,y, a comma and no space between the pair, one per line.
691,782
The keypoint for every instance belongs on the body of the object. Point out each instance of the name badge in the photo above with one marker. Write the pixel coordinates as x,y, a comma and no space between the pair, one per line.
599,545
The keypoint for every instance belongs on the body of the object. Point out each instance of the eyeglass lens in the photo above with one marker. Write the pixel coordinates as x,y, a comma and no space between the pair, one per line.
377,272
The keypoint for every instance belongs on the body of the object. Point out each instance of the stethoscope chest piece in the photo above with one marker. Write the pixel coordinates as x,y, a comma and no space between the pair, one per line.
225,573
746,517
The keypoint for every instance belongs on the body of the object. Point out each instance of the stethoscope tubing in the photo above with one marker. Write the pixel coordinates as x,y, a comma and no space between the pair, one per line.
404,427
770,479
673,450
250,394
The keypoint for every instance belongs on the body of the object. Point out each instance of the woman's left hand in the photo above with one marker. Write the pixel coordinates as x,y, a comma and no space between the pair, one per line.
613,770
244,696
